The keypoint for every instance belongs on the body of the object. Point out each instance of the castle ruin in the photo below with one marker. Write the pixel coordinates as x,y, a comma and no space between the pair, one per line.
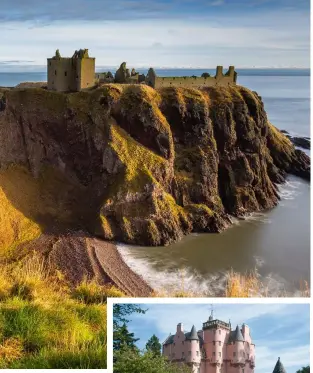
193,81
78,72
71,74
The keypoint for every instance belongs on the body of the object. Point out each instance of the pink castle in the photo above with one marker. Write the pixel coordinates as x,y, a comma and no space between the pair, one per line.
214,349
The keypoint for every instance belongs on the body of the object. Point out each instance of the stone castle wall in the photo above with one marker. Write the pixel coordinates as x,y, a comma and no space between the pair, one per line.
193,82
71,74
86,72
61,74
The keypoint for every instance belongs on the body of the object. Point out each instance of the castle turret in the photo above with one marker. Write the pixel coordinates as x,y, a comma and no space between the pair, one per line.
193,357
279,368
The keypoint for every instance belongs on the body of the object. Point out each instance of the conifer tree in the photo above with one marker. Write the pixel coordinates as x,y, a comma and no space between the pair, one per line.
124,339
154,345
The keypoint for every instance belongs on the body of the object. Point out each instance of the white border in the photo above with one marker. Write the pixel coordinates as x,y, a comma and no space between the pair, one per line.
208,301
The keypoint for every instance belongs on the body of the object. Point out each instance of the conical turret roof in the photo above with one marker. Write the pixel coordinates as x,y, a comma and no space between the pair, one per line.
238,335
279,368
193,334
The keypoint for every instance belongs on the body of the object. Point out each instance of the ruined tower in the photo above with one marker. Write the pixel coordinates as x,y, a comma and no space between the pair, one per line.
71,74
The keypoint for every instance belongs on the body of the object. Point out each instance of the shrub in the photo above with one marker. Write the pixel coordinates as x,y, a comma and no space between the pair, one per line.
90,292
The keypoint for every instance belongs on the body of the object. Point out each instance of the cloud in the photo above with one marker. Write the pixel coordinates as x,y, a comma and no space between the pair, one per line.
155,33
99,10
217,2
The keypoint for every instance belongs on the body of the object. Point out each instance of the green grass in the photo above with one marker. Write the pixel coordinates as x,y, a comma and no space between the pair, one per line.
44,323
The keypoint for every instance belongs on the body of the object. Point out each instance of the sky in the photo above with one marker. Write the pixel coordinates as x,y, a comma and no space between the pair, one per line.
278,330
158,33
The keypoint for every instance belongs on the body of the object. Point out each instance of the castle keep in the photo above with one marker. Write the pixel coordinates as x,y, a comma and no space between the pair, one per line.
71,74
78,72
216,348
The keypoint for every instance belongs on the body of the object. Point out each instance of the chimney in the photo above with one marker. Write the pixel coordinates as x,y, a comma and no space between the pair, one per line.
180,328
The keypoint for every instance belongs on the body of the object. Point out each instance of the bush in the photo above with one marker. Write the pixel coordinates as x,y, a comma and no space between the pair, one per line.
90,292
130,361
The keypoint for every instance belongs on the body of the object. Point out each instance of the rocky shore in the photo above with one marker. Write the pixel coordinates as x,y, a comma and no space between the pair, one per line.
131,164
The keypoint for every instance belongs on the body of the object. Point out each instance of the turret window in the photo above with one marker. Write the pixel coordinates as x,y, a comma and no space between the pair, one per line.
197,353
219,332
220,354
220,343
213,343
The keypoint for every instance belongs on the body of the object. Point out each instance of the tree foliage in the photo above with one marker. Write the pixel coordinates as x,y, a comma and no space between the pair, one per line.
304,370
129,361
124,339
154,345
121,311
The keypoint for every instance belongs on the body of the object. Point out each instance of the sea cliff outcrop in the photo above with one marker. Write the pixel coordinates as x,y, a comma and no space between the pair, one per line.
132,164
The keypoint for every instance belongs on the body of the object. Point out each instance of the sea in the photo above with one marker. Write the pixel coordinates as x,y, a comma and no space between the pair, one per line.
275,243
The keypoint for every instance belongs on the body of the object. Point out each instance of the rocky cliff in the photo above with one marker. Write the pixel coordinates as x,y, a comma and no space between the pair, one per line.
132,164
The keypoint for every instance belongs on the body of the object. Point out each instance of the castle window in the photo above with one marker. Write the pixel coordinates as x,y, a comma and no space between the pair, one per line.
50,63
220,354
234,354
197,353
219,332
189,353
65,73
220,343
183,342
213,353
55,72
213,343
183,354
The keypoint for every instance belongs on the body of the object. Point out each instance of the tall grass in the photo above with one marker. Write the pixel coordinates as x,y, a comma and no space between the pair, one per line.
44,323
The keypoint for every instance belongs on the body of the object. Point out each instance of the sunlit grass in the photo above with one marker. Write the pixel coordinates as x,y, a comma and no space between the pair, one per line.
44,323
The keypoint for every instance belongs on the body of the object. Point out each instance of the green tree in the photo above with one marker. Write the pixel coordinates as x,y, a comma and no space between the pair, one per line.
129,361
122,338
154,345
121,311
304,370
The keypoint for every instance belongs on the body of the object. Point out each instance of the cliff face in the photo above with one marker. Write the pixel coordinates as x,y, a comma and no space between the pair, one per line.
132,164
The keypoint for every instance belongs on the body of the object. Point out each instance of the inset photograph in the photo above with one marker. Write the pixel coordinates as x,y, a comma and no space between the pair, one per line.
217,338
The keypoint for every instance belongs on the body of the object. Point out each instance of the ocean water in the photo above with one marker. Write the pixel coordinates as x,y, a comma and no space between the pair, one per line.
276,242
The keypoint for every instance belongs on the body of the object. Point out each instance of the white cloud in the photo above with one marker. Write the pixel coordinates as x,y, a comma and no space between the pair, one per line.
269,39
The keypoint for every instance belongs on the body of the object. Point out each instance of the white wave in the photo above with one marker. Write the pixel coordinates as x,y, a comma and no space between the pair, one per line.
185,280
289,190
174,280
